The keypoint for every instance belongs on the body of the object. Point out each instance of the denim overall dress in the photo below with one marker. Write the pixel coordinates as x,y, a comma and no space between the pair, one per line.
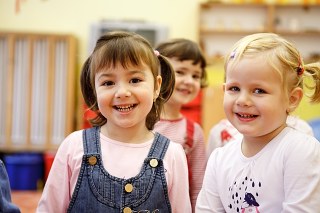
98,191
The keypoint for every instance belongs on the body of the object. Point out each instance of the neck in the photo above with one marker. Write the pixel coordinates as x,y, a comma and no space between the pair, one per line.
127,135
252,145
171,112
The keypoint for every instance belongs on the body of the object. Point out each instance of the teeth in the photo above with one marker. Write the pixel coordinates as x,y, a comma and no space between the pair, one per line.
246,116
124,108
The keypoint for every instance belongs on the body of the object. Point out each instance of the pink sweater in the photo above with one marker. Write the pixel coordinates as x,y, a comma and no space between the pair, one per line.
120,159
176,131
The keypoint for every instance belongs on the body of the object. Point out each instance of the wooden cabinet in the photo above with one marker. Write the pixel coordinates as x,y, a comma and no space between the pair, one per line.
37,87
222,24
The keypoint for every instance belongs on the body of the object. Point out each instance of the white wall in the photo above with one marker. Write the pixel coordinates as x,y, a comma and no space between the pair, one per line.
75,16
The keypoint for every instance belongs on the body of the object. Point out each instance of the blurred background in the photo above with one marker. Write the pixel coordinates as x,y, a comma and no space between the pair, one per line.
43,44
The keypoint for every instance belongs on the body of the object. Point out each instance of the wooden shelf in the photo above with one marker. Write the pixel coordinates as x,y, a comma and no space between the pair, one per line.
222,24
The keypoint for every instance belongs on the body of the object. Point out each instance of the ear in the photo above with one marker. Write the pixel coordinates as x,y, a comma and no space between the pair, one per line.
158,87
295,97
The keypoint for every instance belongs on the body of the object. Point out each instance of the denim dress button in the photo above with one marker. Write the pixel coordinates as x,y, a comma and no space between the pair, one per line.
154,163
92,160
127,210
128,187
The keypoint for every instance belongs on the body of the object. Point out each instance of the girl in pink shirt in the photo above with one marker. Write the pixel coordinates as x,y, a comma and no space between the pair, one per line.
189,64
120,165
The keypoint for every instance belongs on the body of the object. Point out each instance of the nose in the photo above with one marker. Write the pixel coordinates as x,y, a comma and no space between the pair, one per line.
188,79
243,99
122,91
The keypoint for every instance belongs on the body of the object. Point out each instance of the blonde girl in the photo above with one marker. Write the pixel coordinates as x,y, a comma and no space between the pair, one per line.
273,168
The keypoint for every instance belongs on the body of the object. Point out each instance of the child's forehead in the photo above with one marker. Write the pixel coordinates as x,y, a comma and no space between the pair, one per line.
128,67
246,61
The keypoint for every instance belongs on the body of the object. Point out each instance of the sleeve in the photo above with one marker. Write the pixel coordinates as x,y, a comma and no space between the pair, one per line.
302,176
197,163
214,139
208,199
178,185
56,193
5,193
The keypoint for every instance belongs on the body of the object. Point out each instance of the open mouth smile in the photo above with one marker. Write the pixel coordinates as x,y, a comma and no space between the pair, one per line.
124,108
185,91
246,116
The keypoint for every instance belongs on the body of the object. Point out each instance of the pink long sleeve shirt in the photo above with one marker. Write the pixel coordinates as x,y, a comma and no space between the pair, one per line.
120,159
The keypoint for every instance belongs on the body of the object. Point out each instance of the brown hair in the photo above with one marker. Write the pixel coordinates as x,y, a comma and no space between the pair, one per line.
125,48
184,49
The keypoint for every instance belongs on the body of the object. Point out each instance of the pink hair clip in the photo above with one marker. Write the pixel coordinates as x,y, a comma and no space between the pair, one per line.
233,54
156,52
300,69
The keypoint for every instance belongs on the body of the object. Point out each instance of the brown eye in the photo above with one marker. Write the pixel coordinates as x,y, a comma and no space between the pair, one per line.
108,83
135,81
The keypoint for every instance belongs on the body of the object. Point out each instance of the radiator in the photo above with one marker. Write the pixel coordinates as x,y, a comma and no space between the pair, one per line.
37,90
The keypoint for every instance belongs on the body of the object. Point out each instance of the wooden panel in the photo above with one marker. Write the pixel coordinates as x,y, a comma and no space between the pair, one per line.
212,107
37,90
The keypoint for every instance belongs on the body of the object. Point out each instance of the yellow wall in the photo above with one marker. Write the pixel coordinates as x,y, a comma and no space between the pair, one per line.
75,16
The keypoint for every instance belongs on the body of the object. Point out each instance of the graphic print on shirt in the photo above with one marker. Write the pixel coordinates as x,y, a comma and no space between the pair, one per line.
250,204
225,136
244,195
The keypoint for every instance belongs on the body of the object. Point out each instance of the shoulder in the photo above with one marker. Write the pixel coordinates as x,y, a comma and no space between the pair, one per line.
169,126
227,153
297,143
297,137
73,138
299,124
192,124
174,150
71,145
224,125
175,147
75,134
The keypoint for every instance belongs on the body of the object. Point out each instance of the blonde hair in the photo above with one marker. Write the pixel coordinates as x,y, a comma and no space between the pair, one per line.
280,54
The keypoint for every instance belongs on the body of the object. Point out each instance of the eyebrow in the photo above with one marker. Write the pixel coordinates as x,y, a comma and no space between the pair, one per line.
103,75
131,72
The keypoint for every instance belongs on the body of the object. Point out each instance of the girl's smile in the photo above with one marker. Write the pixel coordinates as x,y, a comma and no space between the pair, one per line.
125,97
125,108
254,100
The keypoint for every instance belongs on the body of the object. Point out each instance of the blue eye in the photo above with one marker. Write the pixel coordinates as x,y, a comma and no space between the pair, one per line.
259,91
235,89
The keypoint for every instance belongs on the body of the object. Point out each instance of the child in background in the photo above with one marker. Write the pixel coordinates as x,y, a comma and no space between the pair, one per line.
120,165
223,132
5,192
189,64
274,168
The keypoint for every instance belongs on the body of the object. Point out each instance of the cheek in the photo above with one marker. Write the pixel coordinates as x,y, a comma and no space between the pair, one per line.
102,98
197,88
178,79
226,102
